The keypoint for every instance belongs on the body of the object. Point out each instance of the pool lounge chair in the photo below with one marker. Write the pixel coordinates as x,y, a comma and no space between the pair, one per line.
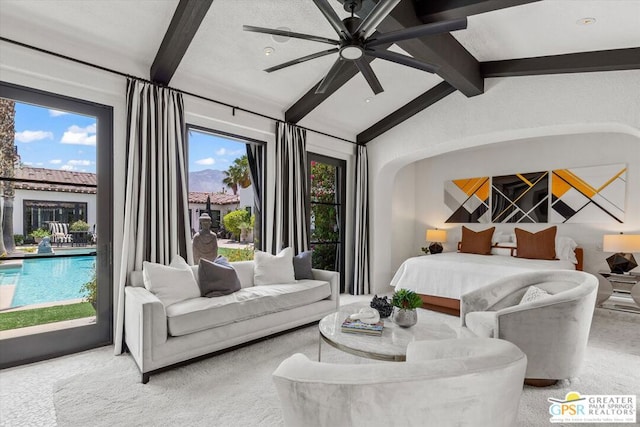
60,233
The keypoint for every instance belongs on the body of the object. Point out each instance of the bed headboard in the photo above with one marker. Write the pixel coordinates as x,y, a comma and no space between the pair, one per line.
578,251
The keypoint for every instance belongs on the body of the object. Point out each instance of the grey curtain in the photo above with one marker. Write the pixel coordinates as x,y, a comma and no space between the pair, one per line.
290,218
255,156
361,241
156,223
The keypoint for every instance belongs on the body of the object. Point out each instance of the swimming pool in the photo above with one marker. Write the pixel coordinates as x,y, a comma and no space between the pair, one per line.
48,279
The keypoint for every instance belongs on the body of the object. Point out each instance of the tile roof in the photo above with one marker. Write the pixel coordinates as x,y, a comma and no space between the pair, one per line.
216,198
87,180
90,180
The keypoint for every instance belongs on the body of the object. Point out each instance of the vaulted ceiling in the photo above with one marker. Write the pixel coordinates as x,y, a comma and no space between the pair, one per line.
200,47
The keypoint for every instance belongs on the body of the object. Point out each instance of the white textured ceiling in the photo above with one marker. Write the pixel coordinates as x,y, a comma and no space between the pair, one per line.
226,63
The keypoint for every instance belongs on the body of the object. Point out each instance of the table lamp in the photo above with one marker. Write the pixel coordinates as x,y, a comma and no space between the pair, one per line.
623,244
436,237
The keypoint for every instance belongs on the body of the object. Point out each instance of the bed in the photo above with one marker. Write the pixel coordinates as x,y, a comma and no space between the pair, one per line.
441,279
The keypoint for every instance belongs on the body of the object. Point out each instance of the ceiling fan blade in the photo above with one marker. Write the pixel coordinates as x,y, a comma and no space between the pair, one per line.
289,34
419,31
336,68
333,18
379,12
301,59
369,75
401,59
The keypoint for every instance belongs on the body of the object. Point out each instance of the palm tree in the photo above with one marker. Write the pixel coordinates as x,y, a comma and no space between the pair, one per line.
8,158
238,174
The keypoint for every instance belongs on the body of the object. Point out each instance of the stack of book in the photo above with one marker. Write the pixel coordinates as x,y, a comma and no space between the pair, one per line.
358,327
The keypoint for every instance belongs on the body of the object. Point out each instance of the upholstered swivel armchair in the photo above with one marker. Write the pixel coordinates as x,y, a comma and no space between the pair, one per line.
456,382
551,329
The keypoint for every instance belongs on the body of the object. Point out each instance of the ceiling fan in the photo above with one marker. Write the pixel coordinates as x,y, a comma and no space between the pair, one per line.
358,38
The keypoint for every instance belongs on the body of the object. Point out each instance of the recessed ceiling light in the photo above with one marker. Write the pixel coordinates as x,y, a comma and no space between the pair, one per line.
586,21
368,100
268,50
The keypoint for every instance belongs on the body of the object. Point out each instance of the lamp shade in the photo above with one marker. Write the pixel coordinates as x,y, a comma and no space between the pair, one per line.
625,243
439,236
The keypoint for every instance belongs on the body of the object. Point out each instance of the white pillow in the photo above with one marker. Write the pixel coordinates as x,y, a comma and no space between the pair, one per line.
533,294
565,249
170,283
273,269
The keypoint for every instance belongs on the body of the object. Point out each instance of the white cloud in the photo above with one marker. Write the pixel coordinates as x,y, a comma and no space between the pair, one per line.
67,167
207,161
27,163
80,162
55,161
33,135
56,113
221,152
225,152
81,136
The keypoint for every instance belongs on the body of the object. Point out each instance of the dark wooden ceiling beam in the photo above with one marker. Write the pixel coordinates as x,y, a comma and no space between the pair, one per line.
423,101
429,11
184,25
457,66
582,62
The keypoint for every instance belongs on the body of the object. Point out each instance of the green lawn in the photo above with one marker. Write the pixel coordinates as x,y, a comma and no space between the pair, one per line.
236,254
40,316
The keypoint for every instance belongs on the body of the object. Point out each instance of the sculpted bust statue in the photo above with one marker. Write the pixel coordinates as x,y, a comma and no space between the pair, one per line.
205,242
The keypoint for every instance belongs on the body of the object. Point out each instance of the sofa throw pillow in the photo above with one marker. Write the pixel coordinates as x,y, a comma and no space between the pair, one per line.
170,283
533,293
217,278
302,265
273,269
476,242
540,245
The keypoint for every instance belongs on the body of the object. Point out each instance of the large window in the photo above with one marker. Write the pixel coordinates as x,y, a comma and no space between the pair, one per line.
56,234
221,185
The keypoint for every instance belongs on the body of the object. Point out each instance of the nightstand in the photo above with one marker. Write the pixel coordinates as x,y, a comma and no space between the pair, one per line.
626,291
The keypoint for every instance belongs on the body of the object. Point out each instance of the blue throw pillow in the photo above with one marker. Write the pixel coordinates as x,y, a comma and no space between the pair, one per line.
217,278
302,265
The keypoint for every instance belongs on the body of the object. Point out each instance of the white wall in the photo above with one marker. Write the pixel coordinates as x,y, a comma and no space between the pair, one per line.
529,155
512,109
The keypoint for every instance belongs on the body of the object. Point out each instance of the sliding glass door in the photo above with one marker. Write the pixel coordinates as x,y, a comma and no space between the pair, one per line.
56,234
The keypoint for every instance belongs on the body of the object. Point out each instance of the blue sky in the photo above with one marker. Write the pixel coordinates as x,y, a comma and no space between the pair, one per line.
208,151
54,139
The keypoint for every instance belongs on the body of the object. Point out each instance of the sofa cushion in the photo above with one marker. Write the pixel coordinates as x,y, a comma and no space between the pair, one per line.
273,269
217,278
204,313
302,265
481,323
170,283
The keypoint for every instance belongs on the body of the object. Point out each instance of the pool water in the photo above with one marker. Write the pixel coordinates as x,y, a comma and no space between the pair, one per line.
48,280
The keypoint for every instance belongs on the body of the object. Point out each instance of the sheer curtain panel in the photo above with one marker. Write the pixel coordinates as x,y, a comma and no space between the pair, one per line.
156,222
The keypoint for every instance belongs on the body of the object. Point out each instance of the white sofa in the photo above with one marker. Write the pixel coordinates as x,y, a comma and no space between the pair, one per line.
158,337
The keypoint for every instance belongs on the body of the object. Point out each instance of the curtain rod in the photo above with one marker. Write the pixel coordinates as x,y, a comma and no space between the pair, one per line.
130,76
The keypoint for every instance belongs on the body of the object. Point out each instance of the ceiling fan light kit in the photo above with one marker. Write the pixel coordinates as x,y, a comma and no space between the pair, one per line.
358,38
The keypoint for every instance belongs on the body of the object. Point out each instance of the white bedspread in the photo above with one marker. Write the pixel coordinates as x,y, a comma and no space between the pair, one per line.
452,274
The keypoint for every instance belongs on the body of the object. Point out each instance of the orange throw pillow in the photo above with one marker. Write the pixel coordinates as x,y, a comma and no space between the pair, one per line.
476,242
540,245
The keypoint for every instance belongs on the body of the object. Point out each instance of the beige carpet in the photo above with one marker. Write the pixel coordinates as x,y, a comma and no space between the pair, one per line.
235,388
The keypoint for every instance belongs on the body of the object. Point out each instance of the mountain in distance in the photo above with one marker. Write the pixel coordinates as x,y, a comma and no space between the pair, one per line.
207,180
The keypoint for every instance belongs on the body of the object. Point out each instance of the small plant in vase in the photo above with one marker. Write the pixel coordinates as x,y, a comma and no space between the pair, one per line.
405,303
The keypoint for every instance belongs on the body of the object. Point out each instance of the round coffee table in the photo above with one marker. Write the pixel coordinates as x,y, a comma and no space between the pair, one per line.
390,346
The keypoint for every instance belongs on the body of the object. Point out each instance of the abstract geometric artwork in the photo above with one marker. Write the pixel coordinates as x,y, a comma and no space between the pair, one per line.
589,194
522,197
468,199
